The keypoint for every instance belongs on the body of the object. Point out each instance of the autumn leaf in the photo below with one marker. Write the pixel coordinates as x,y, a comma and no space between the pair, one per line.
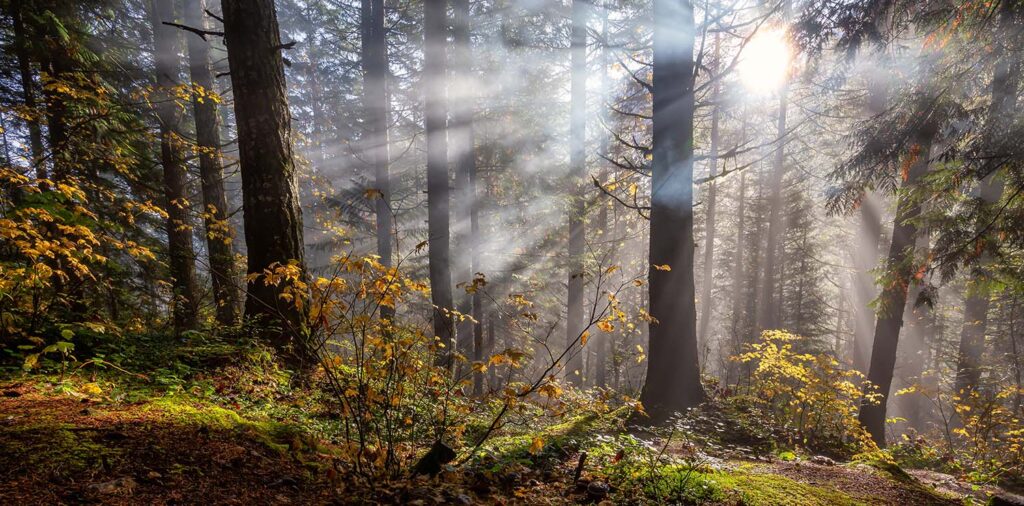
536,446
662,267
605,326
584,337
373,193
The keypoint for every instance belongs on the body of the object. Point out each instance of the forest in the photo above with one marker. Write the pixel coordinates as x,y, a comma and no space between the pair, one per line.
727,252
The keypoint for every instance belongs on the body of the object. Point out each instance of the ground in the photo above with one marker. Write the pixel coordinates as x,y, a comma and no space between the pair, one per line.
60,446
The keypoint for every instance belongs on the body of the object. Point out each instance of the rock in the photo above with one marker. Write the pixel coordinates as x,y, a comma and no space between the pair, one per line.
597,490
532,482
463,499
153,475
823,460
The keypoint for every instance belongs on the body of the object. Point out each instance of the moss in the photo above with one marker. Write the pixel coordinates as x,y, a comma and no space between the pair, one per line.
59,449
769,489
279,437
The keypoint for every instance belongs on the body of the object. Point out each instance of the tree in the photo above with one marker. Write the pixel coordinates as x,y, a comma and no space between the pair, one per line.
463,149
166,46
769,312
709,221
270,197
438,220
28,93
899,274
376,106
1006,78
219,233
577,206
673,374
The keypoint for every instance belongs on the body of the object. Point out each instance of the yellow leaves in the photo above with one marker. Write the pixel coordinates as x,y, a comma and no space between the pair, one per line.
605,326
91,389
584,337
373,194
662,267
536,446
550,390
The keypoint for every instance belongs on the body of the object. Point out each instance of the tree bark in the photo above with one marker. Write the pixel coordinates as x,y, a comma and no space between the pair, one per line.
577,206
438,226
166,45
673,374
899,276
219,233
270,194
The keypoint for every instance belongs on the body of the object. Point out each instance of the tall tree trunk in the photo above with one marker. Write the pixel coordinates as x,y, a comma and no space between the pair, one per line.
166,45
738,334
709,222
893,300
769,309
28,93
577,206
434,63
673,374
608,239
1005,84
376,106
219,234
463,146
270,194
770,304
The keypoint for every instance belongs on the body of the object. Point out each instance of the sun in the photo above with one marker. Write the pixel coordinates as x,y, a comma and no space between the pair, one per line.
765,61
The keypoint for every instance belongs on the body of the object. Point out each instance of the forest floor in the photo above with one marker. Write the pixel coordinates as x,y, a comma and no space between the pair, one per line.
67,446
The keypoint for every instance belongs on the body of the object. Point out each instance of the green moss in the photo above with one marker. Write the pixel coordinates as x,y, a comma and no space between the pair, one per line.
58,449
755,489
280,437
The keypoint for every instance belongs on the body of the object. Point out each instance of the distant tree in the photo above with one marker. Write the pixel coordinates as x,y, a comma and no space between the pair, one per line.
577,203
219,233
435,22
997,131
166,55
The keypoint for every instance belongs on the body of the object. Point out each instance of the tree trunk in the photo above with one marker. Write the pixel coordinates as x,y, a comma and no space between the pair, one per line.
673,374
434,64
376,106
1005,82
219,234
577,207
709,222
270,195
166,45
769,309
35,134
739,337
900,271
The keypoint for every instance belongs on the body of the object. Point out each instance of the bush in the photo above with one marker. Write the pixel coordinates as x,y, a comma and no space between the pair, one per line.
807,394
